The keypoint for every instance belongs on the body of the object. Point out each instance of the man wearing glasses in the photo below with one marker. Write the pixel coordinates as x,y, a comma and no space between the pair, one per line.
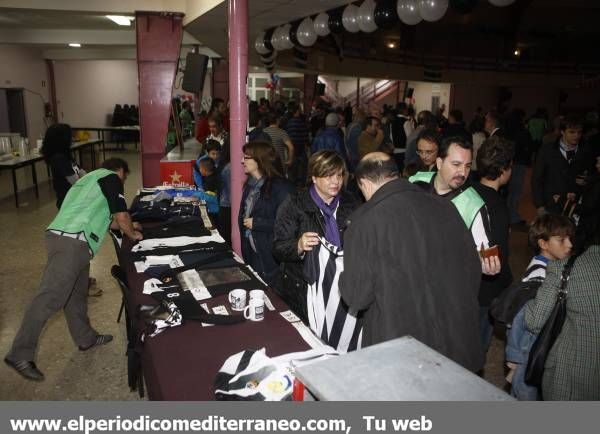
428,145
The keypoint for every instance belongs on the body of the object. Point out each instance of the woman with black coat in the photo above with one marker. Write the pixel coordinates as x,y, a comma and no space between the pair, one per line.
321,210
264,191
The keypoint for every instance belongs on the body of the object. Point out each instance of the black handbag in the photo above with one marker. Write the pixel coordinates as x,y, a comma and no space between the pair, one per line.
550,332
505,307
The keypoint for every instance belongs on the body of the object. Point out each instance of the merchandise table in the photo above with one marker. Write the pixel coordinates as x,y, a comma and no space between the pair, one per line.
29,160
182,362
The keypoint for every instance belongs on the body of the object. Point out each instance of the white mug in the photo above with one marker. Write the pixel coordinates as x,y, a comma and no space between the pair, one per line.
255,311
257,293
237,298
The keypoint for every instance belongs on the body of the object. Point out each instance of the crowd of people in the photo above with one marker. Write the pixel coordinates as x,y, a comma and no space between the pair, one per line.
375,227
387,202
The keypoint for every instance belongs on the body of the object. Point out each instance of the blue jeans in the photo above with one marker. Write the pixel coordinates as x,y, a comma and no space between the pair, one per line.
515,189
518,344
486,327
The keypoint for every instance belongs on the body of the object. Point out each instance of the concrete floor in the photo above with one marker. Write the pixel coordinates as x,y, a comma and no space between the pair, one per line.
101,374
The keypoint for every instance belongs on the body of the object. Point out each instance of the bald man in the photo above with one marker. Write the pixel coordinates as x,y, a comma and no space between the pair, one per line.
409,264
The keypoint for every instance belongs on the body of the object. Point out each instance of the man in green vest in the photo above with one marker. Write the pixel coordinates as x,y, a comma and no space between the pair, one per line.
454,160
92,205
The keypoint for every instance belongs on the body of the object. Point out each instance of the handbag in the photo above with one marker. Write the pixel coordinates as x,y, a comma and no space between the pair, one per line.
510,301
550,332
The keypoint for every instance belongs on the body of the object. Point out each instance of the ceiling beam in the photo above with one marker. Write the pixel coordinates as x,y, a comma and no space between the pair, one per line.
99,6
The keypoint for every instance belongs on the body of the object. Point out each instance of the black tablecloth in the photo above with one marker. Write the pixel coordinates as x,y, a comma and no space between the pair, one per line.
181,363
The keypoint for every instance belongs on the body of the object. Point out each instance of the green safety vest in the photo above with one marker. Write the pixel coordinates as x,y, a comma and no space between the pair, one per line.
468,202
85,209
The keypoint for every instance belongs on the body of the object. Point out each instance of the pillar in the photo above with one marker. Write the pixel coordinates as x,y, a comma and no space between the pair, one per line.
310,83
238,106
158,39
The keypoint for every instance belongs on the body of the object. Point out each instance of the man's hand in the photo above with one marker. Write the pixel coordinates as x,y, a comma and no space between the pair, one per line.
248,222
137,226
307,241
490,266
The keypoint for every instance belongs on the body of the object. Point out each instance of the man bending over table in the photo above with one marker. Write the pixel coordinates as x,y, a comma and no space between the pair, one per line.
93,203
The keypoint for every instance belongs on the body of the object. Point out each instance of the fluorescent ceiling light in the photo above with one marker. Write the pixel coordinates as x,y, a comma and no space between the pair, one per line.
120,19
75,45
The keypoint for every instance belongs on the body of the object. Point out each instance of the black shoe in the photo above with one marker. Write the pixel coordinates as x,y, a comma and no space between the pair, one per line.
26,368
100,340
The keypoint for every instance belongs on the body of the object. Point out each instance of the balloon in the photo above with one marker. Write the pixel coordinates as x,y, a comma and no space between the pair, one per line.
463,6
306,34
366,19
267,40
285,37
294,33
322,24
502,3
276,39
350,18
408,11
335,21
259,44
385,14
432,10
269,57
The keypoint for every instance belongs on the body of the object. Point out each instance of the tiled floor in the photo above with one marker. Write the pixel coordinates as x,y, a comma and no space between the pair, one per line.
100,374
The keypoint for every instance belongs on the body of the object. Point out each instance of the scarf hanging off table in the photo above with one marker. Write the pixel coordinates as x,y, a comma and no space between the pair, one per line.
332,233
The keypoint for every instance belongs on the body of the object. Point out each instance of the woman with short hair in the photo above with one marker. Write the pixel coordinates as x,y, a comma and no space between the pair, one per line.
309,219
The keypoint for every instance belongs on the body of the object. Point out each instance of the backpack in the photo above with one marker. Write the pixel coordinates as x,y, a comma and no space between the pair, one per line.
511,300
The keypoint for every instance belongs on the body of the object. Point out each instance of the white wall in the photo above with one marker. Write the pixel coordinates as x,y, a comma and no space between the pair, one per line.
87,90
23,67
423,92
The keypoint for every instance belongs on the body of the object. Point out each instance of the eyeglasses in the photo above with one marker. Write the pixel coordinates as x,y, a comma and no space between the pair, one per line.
425,152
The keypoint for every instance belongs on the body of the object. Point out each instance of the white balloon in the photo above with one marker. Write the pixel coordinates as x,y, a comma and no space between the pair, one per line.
259,44
432,10
286,41
366,19
502,3
349,18
408,11
276,39
306,34
322,24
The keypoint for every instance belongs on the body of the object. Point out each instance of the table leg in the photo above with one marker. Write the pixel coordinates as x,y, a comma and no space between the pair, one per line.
34,176
14,177
103,149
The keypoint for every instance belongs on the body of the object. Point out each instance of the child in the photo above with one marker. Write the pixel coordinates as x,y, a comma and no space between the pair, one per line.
550,237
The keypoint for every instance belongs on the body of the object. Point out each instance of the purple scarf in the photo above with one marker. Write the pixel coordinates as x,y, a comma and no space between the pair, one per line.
332,233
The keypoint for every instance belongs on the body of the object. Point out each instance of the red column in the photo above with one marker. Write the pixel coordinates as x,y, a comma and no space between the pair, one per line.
238,106
158,36
310,82
220,79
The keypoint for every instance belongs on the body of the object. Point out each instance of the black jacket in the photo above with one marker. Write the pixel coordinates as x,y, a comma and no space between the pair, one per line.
553,175
409,262
299,214
263,221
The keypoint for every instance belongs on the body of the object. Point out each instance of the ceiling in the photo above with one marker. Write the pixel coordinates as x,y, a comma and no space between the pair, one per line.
545,32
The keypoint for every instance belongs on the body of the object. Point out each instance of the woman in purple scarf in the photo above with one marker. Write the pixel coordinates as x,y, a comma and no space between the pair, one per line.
321,210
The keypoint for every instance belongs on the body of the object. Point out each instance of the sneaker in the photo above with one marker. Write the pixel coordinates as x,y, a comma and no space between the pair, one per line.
26,369
100,340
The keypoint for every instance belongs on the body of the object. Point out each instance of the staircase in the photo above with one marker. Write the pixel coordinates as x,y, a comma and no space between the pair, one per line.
376,91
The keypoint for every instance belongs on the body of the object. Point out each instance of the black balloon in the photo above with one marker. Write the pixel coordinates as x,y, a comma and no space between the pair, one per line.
463,6
294,33
335,21
267,40
385,15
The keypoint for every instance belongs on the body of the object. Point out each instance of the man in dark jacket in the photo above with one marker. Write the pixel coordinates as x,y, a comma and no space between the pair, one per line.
561,168
410,279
